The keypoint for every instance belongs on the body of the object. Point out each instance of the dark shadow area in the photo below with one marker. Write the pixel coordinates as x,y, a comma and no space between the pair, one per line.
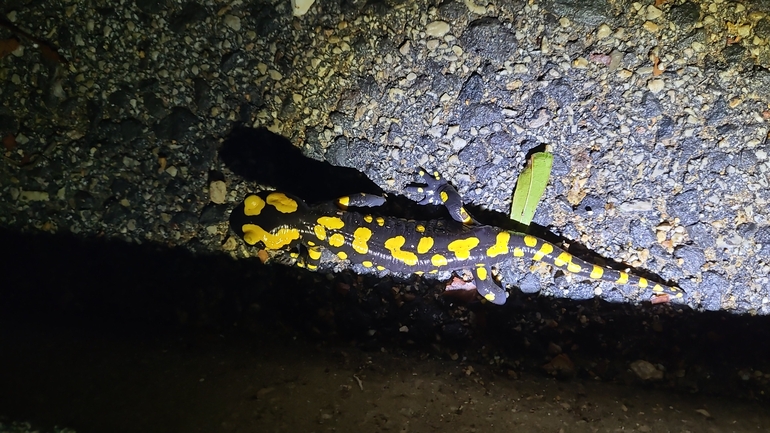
130,294
264,157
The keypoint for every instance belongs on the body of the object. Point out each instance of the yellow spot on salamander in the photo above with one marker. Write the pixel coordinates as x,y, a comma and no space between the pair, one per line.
253,205
530,241
368,218
518,252
597,272
320,232
563,259
273,241
312,267
658,289
380,268
444,196
545,249
331,222
438,260
574,268
420,228
314,253
490,297
394,245
462,247
622,279
367,264
281,203
360,238
380,221
336,240
424,245
500,246
481,272
643,282
342,255
343,201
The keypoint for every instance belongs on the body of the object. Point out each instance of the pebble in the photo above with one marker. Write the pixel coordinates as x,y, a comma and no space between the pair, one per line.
458,143
437,29
650,26
218,192
645,370
653,12
300,7
603,31
405,47
655,86
580,63
33,196
233,22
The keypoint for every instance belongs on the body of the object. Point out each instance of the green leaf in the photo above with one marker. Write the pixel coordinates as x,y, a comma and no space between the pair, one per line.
531,186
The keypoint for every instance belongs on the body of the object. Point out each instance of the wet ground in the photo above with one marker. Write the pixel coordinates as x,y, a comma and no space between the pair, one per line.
98,380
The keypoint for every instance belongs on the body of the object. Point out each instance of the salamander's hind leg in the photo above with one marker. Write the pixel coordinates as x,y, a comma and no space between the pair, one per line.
435,190
311,260
487,287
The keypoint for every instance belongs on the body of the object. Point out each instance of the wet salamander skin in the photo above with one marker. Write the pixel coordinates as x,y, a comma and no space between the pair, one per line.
278,221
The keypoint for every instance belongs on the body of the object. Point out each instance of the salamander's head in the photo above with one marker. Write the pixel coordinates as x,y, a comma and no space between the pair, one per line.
269,219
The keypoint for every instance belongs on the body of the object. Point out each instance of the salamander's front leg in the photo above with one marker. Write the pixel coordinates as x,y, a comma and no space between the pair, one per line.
437,191
360,199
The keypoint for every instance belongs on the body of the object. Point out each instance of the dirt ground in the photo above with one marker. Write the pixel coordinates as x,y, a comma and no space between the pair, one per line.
108,380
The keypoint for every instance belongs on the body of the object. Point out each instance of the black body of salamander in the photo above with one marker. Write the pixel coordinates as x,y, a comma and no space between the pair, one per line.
274,220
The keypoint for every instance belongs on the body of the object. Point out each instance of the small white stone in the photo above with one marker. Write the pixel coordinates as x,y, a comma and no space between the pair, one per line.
603,31
744,31
437,29
653,12
217,191
405,47
33,196
650,26
300,7
275,75
655,86
473,7
580,63
233,22
458,143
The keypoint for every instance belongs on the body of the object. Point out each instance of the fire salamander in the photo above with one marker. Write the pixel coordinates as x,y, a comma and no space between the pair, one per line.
274,221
